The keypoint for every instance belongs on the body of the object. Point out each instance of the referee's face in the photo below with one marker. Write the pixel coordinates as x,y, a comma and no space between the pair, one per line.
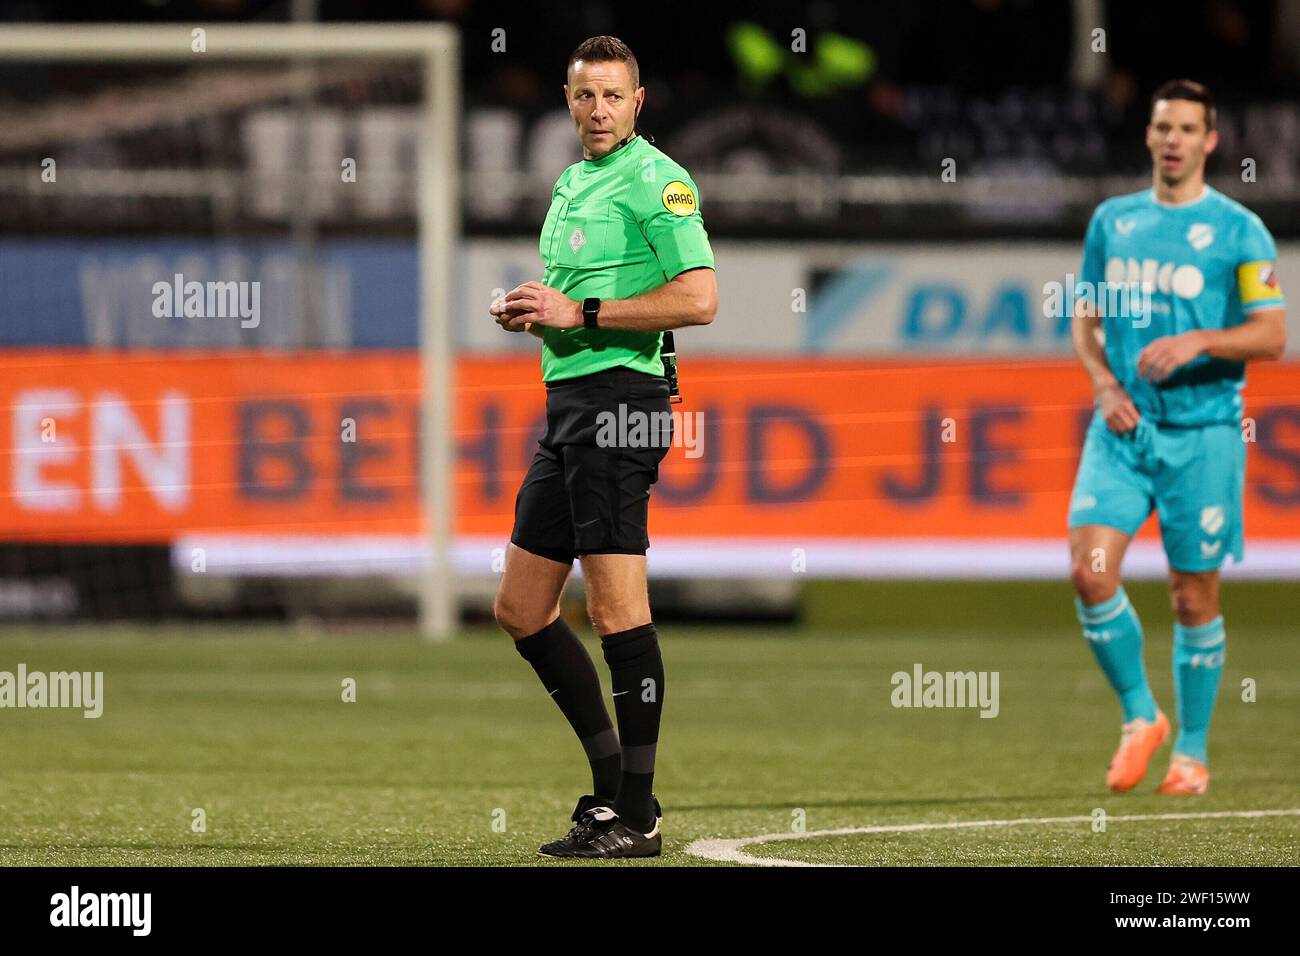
603,104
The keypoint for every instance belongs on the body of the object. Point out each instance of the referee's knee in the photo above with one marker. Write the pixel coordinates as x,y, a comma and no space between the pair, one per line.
616,617
518,621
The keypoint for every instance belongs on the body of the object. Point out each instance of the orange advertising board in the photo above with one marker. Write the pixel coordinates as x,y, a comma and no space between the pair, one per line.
141,447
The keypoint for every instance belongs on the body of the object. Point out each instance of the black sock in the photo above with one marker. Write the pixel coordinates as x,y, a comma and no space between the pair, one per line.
637,671
568,674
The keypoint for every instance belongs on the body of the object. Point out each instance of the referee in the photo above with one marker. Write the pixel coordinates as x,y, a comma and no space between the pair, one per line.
626,258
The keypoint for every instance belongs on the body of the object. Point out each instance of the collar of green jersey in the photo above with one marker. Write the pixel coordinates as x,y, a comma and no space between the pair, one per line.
612,156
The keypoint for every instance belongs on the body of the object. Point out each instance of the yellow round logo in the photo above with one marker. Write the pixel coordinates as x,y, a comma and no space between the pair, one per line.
679,198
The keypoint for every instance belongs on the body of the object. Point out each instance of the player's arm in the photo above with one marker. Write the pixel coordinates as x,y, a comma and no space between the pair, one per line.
690,298
1261,336
1117,409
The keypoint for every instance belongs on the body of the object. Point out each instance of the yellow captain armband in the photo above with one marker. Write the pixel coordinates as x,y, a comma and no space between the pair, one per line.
1258,285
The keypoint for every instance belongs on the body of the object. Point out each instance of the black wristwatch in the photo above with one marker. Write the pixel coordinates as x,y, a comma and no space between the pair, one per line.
590,310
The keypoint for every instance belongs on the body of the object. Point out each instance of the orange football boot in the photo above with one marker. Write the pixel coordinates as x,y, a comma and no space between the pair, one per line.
1141,739
1187,777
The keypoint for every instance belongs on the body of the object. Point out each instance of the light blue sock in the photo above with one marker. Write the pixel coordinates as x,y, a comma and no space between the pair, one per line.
1198,665
1114,633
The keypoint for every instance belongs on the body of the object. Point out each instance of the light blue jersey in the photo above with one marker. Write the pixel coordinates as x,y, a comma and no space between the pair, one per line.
1206,263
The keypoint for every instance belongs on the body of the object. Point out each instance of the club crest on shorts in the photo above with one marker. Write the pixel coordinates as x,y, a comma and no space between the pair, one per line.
1212,519
577,240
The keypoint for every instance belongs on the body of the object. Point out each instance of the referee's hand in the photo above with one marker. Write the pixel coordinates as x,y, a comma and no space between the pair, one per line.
509,319
544,306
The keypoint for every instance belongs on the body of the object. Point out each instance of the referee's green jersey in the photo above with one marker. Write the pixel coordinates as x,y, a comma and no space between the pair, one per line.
618,227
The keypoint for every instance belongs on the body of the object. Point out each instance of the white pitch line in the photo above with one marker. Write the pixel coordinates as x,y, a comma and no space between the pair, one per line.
732,851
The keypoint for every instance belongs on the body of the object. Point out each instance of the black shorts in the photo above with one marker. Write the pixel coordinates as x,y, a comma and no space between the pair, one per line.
587,490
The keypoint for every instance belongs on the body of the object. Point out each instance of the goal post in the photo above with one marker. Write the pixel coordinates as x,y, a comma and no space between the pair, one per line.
435,47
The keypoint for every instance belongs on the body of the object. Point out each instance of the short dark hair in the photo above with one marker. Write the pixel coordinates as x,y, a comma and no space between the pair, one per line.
1187,90
607,50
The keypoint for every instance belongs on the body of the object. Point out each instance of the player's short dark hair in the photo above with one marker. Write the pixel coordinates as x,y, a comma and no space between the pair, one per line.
1187,90
607,50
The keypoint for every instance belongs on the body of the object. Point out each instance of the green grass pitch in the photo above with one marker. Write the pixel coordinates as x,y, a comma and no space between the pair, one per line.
452,754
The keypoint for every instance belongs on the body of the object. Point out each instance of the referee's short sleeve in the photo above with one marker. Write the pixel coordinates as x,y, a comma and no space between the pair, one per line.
667,209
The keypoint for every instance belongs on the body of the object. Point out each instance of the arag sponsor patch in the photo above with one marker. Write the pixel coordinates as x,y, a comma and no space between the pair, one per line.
679,198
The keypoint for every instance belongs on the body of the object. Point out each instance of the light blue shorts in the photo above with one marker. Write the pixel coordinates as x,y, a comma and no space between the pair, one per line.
1193,477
